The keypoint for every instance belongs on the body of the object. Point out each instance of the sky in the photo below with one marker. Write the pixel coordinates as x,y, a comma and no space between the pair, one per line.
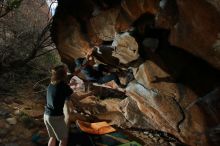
52,4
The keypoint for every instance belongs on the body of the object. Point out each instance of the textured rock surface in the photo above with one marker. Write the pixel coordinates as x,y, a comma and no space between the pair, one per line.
72,43
126,48
197,29
155,107
104,24
133,114
166,102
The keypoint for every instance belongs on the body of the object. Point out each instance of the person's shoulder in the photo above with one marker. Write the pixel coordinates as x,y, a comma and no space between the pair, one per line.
51,87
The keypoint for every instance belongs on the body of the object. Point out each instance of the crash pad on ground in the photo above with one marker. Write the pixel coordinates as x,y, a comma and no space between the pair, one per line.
79,138
95,128
133,143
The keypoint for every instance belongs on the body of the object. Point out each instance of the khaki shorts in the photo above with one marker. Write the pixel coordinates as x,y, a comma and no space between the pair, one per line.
56,127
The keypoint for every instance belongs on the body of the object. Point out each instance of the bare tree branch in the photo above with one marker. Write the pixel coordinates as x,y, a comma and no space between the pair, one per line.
7,7
41,42
4,14
44,53
15,40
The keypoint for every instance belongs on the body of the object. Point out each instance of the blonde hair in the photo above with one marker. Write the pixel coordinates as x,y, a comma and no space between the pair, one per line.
59,73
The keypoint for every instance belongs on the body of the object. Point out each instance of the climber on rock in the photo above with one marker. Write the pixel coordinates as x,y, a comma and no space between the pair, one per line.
96,73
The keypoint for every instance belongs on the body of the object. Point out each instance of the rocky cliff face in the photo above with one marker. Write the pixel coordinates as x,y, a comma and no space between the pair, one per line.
172,48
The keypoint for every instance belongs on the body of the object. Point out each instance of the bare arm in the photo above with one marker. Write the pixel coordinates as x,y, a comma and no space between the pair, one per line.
67,110
68,105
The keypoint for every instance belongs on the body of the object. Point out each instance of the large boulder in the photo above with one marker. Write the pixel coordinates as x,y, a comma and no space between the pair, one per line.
166,104
162,112
194,26
70,41
172,107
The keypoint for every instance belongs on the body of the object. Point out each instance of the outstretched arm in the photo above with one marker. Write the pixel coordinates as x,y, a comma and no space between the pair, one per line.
67,110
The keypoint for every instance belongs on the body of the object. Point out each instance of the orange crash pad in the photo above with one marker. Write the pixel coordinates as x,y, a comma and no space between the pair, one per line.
95,128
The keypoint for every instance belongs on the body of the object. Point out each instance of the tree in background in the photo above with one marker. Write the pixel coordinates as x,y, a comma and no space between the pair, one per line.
25,42
7,6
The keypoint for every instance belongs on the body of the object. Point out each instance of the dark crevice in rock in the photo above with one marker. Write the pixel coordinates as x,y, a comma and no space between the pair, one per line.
190,70
107,43
184,67
106,56
182,112
145,20
168,15
214,133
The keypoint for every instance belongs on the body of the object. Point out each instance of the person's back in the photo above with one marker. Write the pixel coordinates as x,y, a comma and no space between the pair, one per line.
56,96
57,93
